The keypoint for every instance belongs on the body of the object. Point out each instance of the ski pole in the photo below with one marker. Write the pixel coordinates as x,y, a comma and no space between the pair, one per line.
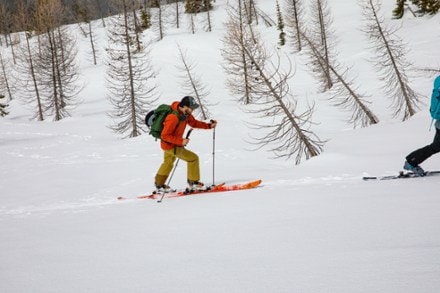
175,166
213,155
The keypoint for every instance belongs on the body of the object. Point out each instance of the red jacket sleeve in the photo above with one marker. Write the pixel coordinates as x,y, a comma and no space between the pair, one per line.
197,124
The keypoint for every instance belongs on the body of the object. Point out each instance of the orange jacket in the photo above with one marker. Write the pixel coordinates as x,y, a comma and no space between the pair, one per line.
172,132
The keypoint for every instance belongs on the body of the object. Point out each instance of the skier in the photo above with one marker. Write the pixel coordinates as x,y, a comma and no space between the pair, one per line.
414,159
173,144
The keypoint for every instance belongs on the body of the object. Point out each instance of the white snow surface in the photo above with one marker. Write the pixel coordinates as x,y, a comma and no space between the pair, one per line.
315,227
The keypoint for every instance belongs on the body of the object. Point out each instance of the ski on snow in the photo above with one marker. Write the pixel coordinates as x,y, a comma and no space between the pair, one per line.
401,175
216,188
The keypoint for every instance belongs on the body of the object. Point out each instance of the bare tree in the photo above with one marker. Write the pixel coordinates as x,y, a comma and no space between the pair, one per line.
29,78
236,63
83,17
294,14
56,67
322,36
287,131
208,26
192,84
6,28
5,23
130,78
159,20
344,94
177,13
250,9
191,22
390,61
5,84
28,52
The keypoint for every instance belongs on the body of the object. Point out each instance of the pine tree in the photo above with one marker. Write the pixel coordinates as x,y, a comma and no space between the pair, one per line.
280,26
145,18
3,106
424,6
428,6
400,9
196,6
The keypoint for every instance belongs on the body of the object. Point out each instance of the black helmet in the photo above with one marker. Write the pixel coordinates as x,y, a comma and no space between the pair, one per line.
189,102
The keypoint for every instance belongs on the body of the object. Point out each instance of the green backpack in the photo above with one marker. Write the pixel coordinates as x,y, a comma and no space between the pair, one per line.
155,118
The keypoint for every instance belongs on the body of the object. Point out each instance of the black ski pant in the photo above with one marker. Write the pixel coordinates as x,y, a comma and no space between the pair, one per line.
418,156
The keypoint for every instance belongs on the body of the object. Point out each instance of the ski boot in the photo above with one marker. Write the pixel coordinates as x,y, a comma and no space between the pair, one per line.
417,170
160,189
194,186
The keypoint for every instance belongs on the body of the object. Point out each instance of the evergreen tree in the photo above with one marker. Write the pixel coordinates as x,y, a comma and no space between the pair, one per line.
424,6
280,26
400,9
428,6
145,18
196,6
3,106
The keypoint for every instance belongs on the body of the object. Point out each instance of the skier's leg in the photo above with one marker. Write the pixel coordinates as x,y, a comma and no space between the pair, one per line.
192,160
166,167
417,157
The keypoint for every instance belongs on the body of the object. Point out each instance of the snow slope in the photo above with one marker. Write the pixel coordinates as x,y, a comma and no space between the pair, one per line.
316,227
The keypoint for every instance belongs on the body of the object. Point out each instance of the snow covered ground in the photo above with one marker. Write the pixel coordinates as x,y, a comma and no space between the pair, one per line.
316,227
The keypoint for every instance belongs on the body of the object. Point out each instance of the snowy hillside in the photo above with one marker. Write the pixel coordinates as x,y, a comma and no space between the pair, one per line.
316,227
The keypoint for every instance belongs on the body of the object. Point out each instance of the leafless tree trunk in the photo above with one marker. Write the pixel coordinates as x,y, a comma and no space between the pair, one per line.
344,95
83,16
130,78
294,22
250,11
321,34
288,132
177,14
55,68
236,64
191,23
192,84
4,78
208,17
159,21
390,62
29,82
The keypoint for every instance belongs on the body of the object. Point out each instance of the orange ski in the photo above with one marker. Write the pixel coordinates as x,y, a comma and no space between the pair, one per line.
216,188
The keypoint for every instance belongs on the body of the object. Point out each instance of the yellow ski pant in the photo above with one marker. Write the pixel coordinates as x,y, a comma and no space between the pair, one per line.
193,169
